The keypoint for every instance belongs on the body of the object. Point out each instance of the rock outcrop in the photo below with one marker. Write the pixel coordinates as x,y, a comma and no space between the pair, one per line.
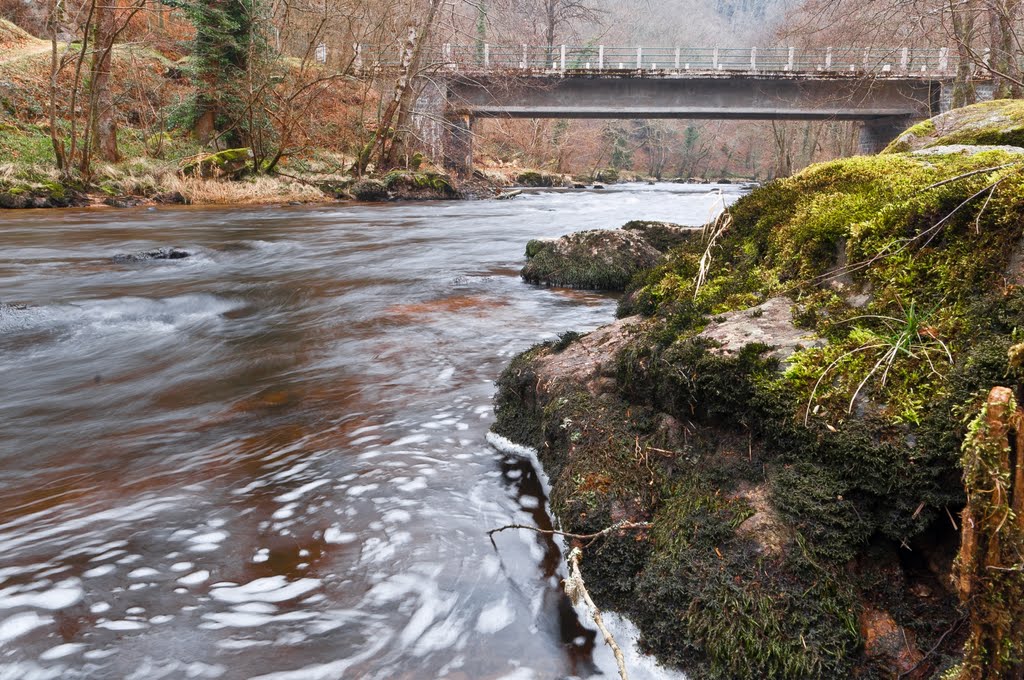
788,417
595,260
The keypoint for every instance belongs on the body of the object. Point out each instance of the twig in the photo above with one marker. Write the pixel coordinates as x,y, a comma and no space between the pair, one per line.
576,589
620,526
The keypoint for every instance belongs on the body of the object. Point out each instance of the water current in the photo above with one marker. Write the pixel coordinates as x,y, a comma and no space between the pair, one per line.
270,460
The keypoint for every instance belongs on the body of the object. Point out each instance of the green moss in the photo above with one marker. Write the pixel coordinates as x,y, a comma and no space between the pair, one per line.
593,260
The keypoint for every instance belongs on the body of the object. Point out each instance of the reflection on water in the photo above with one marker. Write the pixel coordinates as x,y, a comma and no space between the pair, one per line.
270,459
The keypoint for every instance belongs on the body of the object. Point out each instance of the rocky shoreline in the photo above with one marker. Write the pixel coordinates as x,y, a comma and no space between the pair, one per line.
786,399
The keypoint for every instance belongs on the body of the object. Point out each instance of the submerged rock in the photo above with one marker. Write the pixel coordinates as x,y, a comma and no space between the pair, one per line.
151,255
592,260
407,185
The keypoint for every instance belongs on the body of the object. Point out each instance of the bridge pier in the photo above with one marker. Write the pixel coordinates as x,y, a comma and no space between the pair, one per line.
458,143
878,133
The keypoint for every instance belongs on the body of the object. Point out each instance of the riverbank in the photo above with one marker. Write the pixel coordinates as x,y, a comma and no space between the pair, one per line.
783,408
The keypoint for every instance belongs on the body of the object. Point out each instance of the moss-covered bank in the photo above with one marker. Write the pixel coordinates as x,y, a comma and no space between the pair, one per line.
803,500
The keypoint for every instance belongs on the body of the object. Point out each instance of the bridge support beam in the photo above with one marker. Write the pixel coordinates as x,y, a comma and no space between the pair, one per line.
458,143
878,133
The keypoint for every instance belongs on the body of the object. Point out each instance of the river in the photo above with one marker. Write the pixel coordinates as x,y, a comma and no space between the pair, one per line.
269,460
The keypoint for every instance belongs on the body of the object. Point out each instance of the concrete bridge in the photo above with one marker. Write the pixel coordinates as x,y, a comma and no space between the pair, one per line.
887,90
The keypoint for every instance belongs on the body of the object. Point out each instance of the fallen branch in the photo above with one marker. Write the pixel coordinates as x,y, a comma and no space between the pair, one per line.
621,526
576,590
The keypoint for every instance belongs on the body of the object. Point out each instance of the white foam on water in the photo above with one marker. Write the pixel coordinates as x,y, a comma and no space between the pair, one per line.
63,595
101,570
181,566
19,624
61,651
411,439
336,536
301,491
195,578
269,589
122,625
143,572
360,490
495,617
210,537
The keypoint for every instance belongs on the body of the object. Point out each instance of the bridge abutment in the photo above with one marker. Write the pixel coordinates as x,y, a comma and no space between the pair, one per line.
877,134
458,143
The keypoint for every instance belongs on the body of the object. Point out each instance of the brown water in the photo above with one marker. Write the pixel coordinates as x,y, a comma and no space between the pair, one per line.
271,459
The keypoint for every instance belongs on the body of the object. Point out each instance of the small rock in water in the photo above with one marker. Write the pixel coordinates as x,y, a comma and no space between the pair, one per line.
158,254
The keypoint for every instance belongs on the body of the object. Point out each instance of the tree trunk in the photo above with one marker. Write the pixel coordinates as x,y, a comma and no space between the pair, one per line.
987,573
406,91
964,18
104,116
1003,61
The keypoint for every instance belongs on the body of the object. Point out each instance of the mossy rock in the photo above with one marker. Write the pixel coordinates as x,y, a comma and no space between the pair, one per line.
230,163
663,236
905,267
592,260
538,179
996,123
370,190
420,185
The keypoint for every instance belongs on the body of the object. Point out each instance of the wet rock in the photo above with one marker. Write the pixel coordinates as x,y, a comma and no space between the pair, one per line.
150,255
124,201
770,323
539,180
590,361
171,198
413,186
370,190
591,260
889,644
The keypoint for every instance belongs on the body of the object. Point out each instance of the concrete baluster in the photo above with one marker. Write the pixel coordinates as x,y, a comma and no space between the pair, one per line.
639,59
792,59
600,57
714,59
944,60
828,59
753,58
905,59
562,59
487,57
679,56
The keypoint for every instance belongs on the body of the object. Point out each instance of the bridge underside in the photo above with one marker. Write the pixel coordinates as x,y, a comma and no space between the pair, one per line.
886,105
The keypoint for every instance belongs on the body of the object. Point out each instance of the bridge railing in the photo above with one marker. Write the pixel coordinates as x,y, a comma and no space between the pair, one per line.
477,58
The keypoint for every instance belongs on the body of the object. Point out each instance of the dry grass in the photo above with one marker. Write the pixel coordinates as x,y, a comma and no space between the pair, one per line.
200,191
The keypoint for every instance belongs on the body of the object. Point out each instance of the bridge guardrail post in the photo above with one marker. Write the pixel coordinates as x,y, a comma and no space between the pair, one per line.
905,59
714,59
753,58
525,64
679,57
562,59
944,60
600,57
487,57
828,59
639,59
792,59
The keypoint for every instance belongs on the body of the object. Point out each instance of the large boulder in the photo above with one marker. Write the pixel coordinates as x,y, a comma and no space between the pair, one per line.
996,123
229,163
409,185
600,259
785,413
370,190
662,236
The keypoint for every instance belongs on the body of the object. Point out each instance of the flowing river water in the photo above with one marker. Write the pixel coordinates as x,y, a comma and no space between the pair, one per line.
270,460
